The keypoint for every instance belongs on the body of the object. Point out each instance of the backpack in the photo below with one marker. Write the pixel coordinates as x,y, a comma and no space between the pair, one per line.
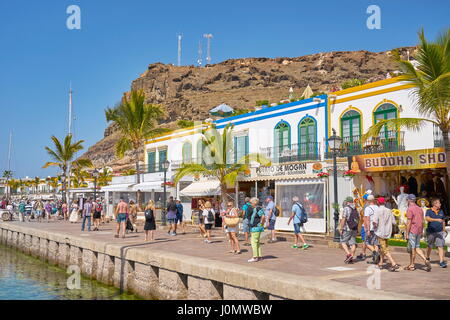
276,211
353,220
210,216
303,215
256,218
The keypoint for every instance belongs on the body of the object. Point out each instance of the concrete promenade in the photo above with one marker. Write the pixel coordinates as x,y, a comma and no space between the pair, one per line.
185,267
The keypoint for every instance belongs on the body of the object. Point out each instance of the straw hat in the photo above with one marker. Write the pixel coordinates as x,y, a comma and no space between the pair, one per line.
427,203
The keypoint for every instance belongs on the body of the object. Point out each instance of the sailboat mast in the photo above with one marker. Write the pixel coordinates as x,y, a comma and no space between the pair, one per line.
70,109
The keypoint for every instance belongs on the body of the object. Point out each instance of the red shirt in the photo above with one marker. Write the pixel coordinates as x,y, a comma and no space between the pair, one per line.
415,214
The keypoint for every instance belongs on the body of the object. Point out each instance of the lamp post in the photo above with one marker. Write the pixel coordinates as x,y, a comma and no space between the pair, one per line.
165,166
334,143
95,175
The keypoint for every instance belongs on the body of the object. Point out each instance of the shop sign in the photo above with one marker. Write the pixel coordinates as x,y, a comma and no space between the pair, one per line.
286,170
416,159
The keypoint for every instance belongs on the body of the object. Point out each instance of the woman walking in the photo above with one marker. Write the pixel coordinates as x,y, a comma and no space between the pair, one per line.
97,214
150,224
73,212
133,215
208,220
256,224
201,224
231,220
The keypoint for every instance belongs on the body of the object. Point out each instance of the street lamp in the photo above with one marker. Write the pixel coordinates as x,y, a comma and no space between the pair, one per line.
95,175
334,143
165,166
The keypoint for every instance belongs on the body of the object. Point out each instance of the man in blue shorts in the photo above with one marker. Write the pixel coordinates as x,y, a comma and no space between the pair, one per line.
297,212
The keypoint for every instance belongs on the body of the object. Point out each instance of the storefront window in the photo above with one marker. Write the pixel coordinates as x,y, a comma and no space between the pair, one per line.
311,196
307,144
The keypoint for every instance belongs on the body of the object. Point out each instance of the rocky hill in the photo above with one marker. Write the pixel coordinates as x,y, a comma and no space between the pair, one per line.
188,92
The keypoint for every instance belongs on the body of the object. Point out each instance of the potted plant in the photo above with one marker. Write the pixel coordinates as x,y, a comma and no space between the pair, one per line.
349,174
323,175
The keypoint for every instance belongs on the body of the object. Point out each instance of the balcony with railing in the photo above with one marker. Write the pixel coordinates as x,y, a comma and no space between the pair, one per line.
387,141
296,152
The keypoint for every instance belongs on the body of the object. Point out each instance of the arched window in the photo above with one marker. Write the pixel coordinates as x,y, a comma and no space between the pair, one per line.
388,137
187,152
200,147
351,126
282,138
307,139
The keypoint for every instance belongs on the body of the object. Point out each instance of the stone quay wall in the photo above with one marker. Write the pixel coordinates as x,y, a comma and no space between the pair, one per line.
157,274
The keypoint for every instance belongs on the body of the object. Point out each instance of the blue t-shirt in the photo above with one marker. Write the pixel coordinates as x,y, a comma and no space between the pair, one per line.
245,208
434,226
298,212
179,209
270,205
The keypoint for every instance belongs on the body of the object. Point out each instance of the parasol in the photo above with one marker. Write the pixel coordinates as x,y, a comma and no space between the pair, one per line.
222,110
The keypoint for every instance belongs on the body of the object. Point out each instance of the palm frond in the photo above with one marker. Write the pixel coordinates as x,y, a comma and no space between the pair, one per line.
413,124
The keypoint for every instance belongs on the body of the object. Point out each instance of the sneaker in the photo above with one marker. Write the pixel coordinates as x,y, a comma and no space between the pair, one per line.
295,246
207,241
443,264
253,260
305,246
361,257
348,258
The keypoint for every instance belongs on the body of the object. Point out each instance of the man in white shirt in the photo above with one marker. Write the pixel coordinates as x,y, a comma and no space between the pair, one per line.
371,238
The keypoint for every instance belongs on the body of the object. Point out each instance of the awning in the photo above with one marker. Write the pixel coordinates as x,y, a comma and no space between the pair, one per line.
201,189
124,187
149,186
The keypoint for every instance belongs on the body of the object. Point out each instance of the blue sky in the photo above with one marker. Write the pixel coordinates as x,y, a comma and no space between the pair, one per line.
118,39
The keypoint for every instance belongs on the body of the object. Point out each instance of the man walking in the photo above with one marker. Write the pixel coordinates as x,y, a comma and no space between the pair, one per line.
435,231
298,214
271,218
172,217
87,213
121,217
371,241
383,221
248,210
348,228
180,211
414,229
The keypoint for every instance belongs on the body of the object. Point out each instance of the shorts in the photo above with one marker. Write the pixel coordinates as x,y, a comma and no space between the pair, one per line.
172,221
349,237
363,234
372,239
436,239
414,240
384,245
38,213
179,218
297,228
271,224
245,226
121,217
97,215
230,229
208,226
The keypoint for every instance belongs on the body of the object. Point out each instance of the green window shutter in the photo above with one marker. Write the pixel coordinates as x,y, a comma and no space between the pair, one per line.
162,158
151,161
235,149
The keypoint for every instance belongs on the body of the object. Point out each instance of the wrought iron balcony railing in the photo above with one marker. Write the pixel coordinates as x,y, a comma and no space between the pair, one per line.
387,141
294,152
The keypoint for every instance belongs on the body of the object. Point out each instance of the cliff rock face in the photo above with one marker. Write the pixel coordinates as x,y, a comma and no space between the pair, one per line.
189,92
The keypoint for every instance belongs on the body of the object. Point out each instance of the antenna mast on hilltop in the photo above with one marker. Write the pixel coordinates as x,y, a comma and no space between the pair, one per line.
209,37
180,36
200,53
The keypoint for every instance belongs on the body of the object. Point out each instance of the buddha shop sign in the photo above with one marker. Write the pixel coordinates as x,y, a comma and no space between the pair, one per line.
416,159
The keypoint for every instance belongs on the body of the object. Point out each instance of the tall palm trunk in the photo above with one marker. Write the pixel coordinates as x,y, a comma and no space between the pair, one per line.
138,178
223,195
447,159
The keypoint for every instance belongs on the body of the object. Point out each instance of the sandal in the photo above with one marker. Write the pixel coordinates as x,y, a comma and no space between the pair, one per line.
394,268
237,252
409,268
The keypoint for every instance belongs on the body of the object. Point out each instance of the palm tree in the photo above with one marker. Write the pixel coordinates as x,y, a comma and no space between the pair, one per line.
63,156
104,176
136,121
7,174
431,87
53,183
78,176
218,160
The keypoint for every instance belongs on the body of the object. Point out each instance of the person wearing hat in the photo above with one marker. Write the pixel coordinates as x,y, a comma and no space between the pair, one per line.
371,240
348,229
414,229
382,223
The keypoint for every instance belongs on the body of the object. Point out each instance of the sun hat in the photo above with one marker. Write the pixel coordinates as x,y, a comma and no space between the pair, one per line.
370,198
348,199
411,197
427,203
